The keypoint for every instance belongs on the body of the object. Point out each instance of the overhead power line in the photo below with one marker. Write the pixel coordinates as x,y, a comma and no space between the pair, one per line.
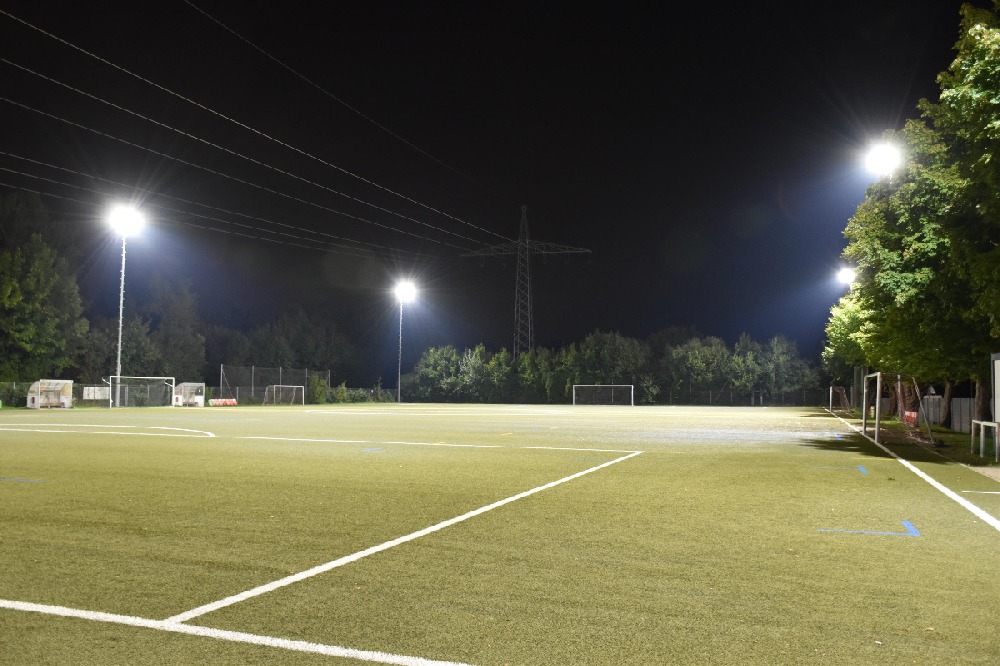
243,125
301,230
229,151
340,101
225,175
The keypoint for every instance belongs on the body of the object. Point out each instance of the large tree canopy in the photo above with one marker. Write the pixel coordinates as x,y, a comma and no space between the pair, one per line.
41,322
926,241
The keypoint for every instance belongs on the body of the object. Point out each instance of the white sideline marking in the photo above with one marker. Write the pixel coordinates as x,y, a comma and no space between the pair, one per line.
983,492
446,444
408,411
348,559
233,636
368,441
35,427
948,492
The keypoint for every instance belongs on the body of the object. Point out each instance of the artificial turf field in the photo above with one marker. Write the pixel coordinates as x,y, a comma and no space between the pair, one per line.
469,534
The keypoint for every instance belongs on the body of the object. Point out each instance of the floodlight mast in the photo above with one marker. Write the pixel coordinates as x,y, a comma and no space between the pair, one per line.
406,292
125,221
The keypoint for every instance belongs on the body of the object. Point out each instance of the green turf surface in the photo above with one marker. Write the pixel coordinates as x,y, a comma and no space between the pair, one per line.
705,548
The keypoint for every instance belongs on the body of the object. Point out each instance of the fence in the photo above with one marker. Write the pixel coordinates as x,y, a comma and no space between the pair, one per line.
727,396
248,383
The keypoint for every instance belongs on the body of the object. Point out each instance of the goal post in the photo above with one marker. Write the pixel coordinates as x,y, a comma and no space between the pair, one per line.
141,391
284,394
604,394
895,396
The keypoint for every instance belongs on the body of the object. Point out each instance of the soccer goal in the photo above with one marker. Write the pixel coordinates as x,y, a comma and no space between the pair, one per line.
141,391
604,394
284,394
47,393
895,397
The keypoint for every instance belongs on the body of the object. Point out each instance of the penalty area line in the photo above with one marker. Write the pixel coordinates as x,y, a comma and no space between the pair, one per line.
354,557
231,636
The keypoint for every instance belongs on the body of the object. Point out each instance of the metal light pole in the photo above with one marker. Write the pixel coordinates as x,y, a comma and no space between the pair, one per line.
126,221
406,292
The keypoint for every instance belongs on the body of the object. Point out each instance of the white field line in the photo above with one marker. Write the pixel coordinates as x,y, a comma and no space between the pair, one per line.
980,513
322,440
348,559
233,636
402,411
43,427
368,441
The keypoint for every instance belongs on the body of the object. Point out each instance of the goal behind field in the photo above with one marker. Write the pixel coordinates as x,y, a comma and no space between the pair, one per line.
140,391
604,394
284,394
895,397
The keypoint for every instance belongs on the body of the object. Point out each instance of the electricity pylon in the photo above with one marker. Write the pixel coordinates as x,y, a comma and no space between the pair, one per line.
523,248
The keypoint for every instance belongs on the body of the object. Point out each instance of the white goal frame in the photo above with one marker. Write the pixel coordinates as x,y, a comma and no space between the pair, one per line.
297,390
612,387
915,424
115,384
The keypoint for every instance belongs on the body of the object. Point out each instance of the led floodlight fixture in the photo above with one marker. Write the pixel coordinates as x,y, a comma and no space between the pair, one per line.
406,291
126,220
883,159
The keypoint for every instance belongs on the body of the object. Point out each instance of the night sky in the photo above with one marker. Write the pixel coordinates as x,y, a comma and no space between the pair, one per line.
707,154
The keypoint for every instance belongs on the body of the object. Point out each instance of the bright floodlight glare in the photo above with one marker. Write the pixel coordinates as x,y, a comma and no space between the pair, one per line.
846,275
883,159
406,292
126,220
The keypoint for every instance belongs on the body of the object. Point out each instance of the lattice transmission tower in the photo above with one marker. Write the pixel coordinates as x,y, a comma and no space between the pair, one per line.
523,248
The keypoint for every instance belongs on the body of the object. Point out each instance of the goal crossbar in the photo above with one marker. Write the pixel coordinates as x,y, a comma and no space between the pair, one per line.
285,394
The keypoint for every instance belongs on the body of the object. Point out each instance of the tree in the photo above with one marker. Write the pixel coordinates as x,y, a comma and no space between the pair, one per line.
611,358
501,384
784,372
746,366
177,335
966,118
41,322
700,364
437,375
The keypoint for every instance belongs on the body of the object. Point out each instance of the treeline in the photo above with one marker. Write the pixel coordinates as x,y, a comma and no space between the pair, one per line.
670,367
45,332
925,239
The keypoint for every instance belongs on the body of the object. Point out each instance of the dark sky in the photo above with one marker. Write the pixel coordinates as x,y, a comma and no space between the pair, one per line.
707,153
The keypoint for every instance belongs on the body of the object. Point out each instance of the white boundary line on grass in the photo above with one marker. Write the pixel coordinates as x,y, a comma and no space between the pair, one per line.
222,634
980,513
36,427
348,559
371,441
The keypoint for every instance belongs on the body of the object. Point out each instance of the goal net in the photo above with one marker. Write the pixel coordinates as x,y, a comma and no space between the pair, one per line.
895,403
603,394
284,394
141,391
838,399
46,393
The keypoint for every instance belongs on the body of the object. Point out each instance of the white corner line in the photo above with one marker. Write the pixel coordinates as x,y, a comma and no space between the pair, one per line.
348,559
232,636
980,513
